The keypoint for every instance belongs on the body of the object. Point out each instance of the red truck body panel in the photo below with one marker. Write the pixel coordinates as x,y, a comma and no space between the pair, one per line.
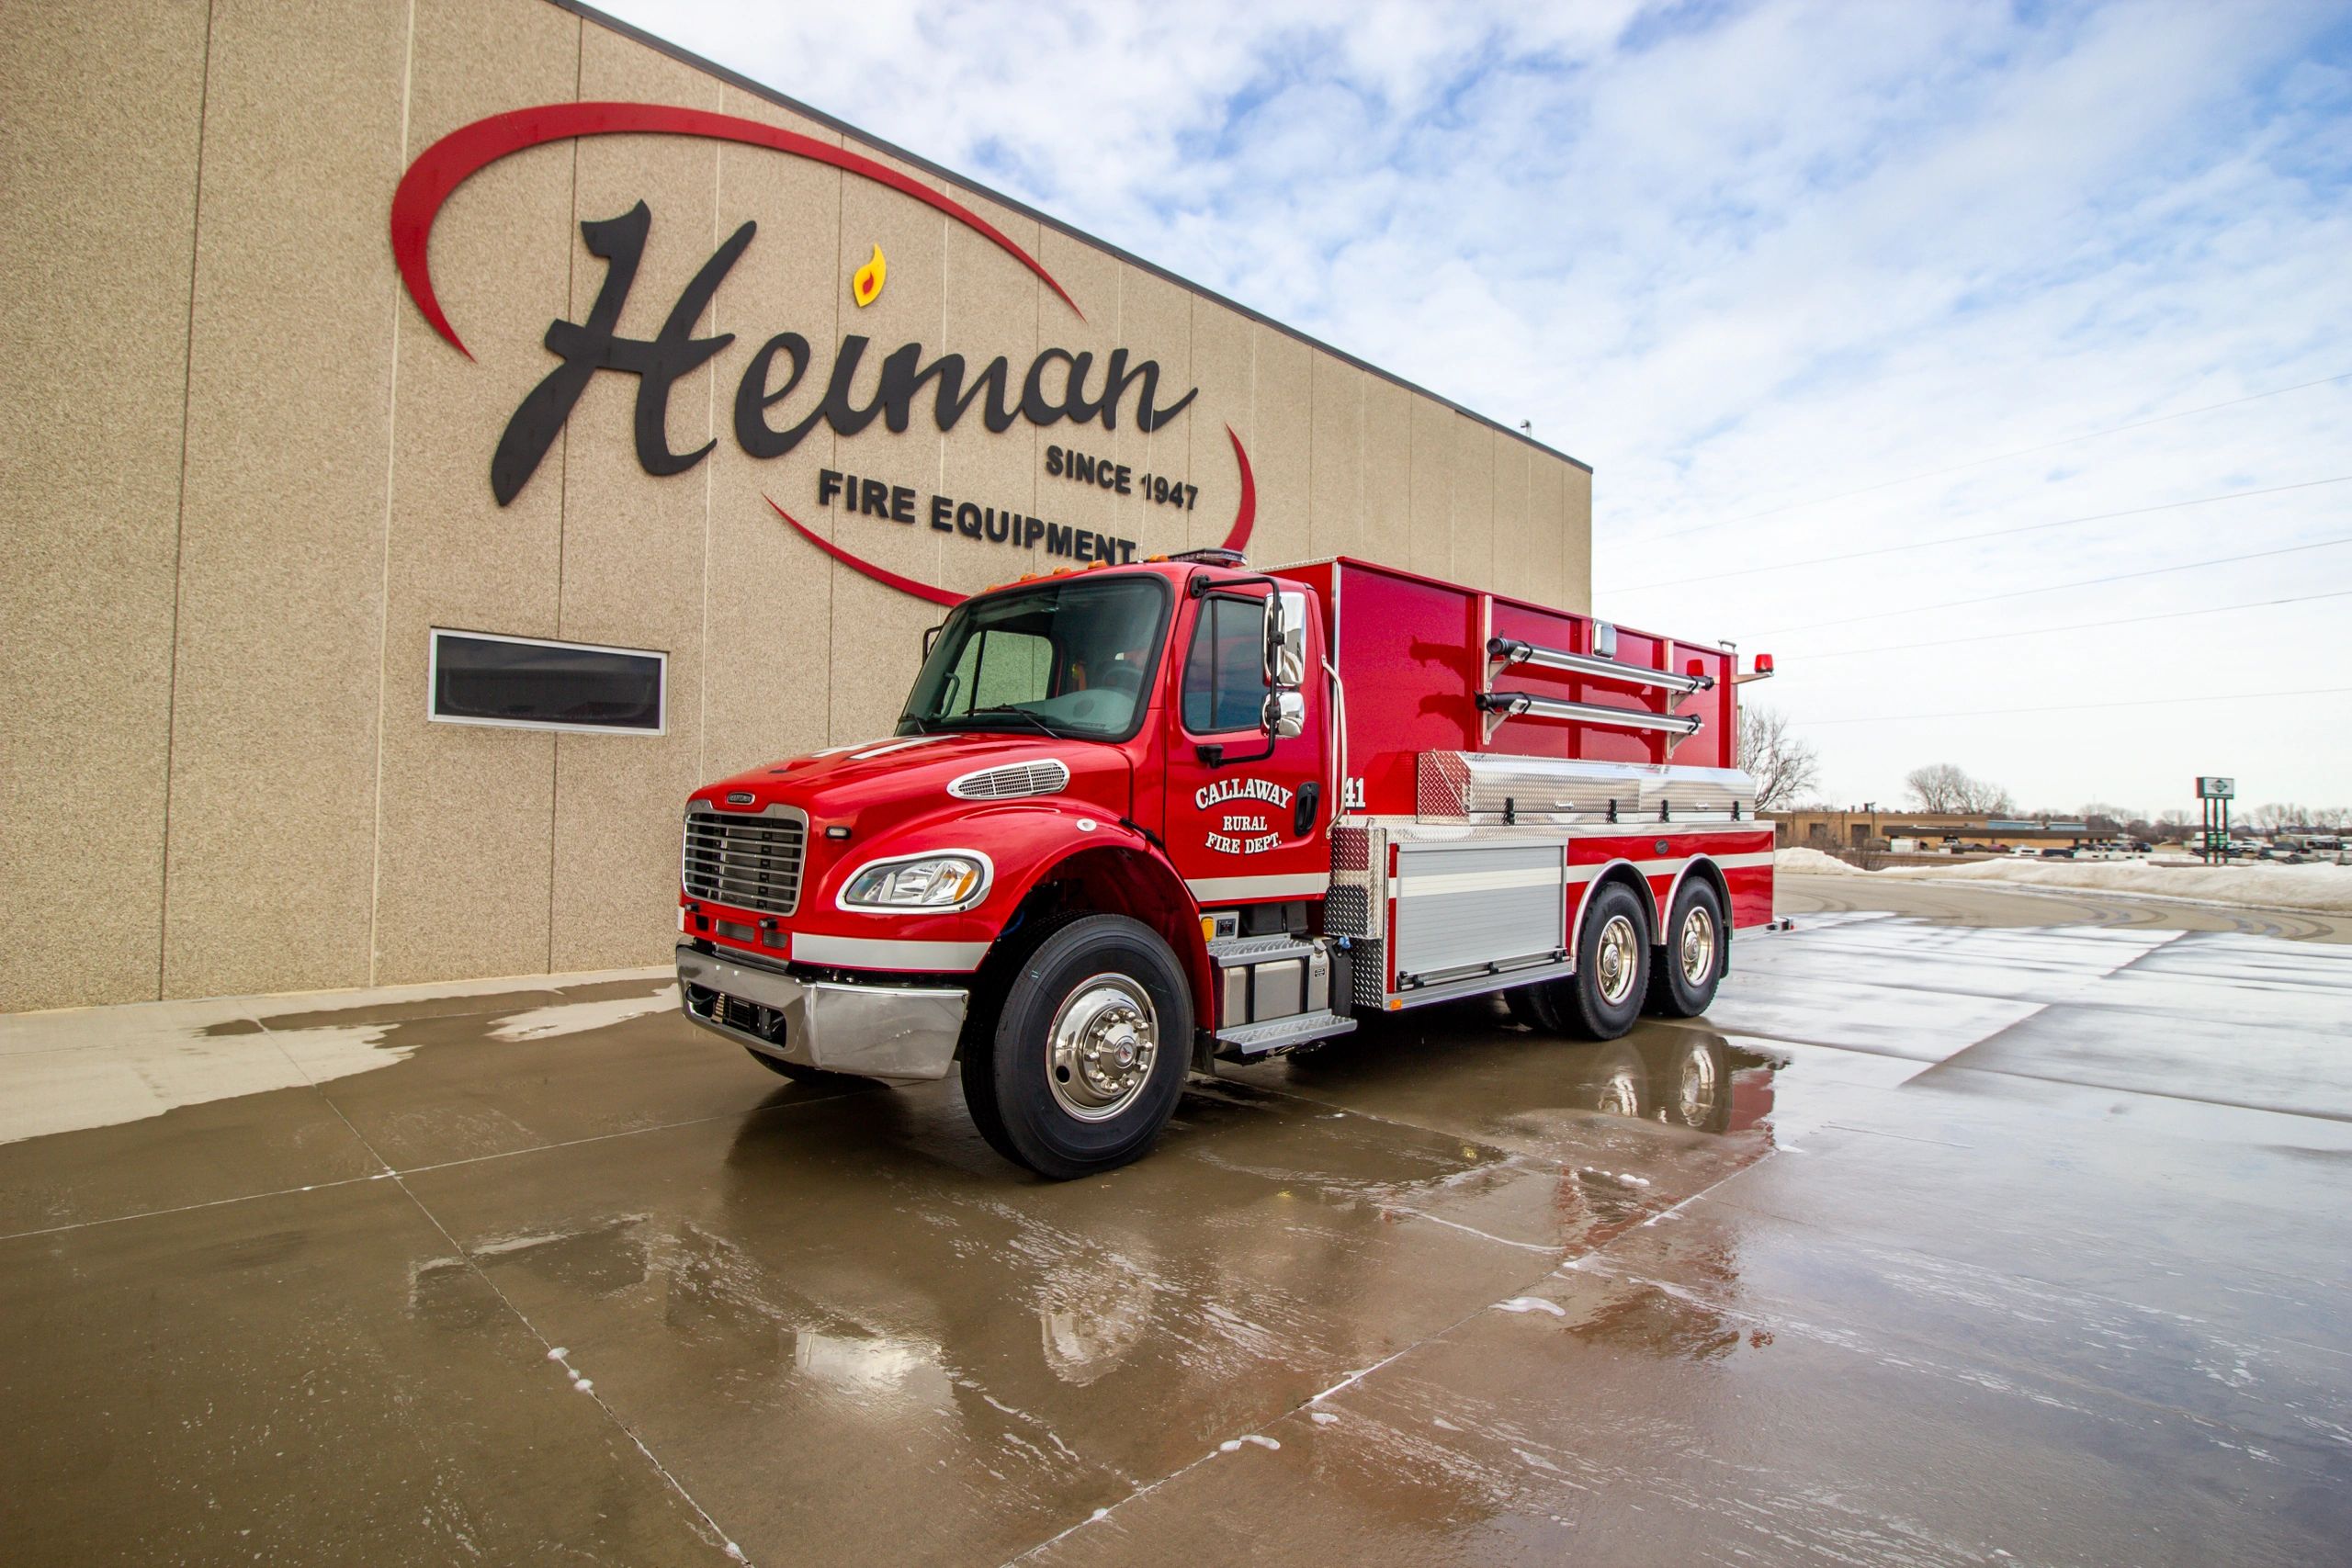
1412,651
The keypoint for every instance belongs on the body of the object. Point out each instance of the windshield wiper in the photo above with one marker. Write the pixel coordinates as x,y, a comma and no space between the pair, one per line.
1043,728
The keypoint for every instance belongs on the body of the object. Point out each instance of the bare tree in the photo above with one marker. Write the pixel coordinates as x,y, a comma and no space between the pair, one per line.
1944,786
2102,817
1985,795
1937,788
1783,766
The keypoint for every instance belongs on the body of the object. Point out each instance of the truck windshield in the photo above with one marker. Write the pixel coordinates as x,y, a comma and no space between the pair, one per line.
1065,657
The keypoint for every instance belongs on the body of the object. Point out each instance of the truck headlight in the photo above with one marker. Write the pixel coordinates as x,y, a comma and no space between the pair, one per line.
919,882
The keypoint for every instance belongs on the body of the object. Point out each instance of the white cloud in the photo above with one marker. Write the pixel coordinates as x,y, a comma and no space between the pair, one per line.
1750,256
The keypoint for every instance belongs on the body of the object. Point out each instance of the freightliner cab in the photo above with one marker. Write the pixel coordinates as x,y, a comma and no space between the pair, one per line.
1137,820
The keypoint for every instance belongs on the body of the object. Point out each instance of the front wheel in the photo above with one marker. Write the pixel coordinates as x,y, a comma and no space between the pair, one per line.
1087,1054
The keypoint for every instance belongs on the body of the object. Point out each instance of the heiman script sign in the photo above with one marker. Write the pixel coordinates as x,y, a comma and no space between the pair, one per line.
1059,385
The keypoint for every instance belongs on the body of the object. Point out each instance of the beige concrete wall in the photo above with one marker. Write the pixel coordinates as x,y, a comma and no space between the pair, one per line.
252,479
98,114
465,814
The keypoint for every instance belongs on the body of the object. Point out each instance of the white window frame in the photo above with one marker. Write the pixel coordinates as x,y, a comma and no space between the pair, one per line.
433,684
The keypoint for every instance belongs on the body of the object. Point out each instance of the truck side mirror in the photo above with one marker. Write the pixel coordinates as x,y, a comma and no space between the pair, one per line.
1286,641
1284,715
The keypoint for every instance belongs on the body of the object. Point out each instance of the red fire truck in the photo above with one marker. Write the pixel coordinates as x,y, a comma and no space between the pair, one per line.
1140,820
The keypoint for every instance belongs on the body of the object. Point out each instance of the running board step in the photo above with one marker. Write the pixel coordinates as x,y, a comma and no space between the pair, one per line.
1244,1041
1257,950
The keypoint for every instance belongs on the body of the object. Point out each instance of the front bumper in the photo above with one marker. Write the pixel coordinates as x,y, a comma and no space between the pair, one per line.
902,1034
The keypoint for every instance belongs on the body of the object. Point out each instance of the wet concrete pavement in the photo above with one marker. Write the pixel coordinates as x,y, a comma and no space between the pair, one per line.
1933,1243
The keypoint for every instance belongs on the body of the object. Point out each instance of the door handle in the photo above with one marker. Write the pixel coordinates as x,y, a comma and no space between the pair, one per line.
1302,816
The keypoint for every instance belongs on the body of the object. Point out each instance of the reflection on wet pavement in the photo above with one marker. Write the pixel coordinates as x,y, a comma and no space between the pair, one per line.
1929,1245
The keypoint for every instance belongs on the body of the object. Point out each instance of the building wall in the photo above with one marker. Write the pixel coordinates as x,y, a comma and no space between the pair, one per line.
244,477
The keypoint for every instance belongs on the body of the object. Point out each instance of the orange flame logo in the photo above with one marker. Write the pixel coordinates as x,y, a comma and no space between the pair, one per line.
865,283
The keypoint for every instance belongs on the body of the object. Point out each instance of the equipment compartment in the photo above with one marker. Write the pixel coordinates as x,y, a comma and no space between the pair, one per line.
1466,909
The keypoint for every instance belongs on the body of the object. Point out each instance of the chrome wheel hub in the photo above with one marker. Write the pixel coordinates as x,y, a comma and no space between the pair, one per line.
1696,948
1617,959
1101,1046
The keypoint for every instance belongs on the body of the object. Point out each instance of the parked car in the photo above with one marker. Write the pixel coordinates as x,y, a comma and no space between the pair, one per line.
2054,853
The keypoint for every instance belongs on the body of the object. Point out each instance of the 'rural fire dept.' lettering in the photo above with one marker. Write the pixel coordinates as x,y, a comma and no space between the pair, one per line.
1244,832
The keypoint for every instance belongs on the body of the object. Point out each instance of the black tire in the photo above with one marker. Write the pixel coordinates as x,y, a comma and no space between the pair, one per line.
1543,1003
1086,1112
1688,963
1604,996
816,1077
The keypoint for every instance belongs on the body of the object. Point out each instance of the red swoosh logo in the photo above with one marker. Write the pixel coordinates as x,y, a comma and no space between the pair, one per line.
448,163
1245,517
441,168
886,578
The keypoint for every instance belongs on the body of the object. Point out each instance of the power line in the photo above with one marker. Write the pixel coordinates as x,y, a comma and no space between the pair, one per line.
1988,533
1996,458
2077,708
2058,587
2077,626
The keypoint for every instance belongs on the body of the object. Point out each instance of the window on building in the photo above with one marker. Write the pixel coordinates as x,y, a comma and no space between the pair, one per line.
530,683
1225,675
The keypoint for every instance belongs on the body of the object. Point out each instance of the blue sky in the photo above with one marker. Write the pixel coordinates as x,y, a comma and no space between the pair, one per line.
1798,281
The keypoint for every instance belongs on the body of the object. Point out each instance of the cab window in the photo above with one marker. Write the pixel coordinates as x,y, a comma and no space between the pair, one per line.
1066,658
1225,672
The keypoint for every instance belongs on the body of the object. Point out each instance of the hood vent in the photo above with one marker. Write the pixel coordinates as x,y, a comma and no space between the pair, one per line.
1011,783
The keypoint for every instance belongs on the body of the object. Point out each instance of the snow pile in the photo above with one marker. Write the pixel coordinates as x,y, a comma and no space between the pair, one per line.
1799,857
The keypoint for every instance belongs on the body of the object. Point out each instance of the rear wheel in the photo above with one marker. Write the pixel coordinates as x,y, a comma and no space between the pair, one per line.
1691,961
1538,1006
1086,1056
1520,1000
1603,997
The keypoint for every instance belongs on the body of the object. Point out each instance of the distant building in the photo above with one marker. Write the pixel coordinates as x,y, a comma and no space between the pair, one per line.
1828,830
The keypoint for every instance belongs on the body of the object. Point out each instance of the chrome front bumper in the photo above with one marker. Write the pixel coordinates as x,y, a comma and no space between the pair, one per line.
903,1033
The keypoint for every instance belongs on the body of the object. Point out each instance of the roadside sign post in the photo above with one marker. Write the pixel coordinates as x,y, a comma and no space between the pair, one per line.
2214,795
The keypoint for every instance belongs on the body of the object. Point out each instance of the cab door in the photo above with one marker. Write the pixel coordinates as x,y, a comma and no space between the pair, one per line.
1246,812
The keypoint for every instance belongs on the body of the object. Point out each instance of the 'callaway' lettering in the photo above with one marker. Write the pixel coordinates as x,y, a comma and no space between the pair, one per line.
1240,789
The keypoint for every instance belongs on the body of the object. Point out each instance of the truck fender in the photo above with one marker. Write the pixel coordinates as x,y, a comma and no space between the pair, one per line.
1623,871
1117,869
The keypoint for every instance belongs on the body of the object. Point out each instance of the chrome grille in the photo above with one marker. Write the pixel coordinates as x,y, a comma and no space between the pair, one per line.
1012,781
744,861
